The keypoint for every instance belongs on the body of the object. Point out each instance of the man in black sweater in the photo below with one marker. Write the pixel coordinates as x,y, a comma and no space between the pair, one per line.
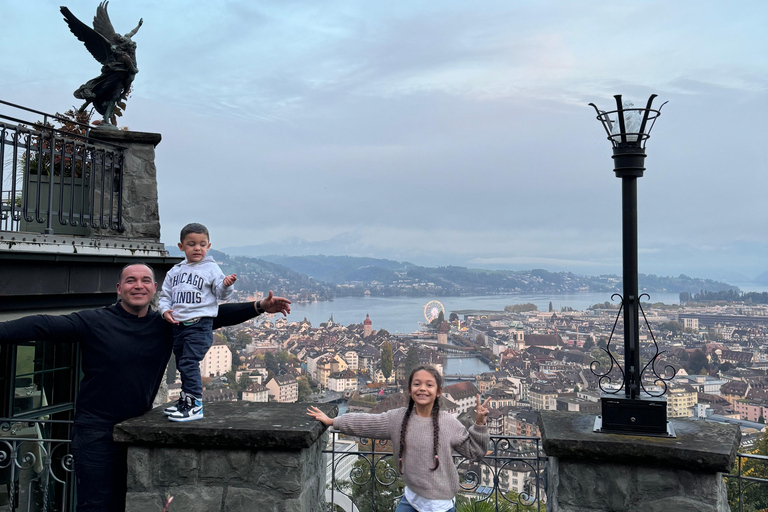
125,349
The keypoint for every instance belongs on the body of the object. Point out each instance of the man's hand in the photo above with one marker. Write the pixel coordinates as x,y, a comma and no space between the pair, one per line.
482,410
230,280
272,304
168,315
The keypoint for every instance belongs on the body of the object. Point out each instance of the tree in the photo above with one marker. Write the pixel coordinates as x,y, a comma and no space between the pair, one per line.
590,343
411,360
551,308
270,361
753,497
243,338
374,495
435,323
480,340
697,362
521,308
304,389
673,328
386,360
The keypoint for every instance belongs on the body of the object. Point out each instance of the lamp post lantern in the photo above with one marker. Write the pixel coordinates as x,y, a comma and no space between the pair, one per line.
641,410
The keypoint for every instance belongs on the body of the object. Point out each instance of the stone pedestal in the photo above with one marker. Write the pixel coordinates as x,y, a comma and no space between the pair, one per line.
595,472
242,456
141,217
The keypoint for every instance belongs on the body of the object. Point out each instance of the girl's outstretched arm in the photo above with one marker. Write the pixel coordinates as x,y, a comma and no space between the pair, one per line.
374,426
319,416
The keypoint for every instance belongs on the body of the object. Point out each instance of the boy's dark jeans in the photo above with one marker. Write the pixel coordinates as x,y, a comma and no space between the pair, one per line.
190,344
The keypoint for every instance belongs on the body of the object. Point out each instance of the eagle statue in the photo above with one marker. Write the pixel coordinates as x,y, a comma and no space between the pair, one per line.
117,55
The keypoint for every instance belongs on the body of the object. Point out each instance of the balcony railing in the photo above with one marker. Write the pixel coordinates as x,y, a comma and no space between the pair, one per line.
748,484
361,476
37,474
36,468
54,181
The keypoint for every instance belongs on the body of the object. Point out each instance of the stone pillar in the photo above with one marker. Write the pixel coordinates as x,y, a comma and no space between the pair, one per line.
141,217
597,472
243,456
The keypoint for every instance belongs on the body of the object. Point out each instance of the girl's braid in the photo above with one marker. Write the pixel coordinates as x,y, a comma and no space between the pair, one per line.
436,430
403,427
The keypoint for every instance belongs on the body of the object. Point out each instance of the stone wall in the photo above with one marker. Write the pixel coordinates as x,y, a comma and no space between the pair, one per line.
242,456
600,472
592,487
141,216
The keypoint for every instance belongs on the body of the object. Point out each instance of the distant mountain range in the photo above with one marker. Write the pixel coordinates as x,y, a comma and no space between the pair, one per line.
734,263
330,276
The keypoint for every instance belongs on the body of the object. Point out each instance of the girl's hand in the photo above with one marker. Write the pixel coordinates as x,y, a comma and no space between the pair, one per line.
482,410
322,417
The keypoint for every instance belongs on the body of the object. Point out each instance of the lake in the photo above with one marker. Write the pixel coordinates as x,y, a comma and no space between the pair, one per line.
404,314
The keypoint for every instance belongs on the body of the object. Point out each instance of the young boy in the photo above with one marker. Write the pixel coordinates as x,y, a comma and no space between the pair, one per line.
189,301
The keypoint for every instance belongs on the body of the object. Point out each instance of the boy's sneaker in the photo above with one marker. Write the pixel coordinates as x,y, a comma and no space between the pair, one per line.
190,410
175,407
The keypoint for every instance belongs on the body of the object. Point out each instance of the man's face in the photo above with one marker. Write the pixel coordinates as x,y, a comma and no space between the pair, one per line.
137,287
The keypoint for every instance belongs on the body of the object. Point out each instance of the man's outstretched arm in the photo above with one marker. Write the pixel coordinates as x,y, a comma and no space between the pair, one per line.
233,314
42,328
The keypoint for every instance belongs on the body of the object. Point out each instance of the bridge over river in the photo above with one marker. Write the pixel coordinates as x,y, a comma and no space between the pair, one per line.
452,349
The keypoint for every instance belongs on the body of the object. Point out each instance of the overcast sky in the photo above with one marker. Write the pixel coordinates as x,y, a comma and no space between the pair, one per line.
436,132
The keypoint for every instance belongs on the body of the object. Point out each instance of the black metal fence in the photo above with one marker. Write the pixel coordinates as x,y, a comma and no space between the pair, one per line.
57,180
36,466
361,476
748,484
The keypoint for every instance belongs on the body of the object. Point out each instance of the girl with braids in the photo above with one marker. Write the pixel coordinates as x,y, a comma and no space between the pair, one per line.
424,439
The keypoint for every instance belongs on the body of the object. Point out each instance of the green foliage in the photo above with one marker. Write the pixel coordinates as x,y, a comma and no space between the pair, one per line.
510,502
673,328
386,360
243,338
435,323
411,360
372,495
754,494
697,362
304,389
589,344
728,296
270,361
521,308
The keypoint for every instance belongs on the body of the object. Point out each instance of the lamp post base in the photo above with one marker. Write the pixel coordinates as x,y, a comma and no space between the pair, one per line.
645,415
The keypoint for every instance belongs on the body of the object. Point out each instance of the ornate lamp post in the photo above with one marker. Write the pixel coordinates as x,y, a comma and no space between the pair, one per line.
640,411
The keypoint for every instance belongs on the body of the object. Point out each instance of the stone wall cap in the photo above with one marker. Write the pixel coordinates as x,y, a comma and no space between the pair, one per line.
238,425
700,446
122,137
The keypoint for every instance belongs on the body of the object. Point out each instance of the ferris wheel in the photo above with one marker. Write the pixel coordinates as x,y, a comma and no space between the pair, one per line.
432,310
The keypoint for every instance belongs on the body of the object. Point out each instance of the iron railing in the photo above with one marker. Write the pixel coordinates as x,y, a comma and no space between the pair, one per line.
54,181
36,467
748,485
362,478
37,474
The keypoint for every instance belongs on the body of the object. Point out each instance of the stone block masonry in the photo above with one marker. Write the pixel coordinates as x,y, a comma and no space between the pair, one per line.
598,472
243,456
141,217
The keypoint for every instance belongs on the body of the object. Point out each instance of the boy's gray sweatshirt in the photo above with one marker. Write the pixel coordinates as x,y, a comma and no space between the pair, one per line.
191,290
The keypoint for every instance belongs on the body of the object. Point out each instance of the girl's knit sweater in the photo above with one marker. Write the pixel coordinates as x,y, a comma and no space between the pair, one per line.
419,458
